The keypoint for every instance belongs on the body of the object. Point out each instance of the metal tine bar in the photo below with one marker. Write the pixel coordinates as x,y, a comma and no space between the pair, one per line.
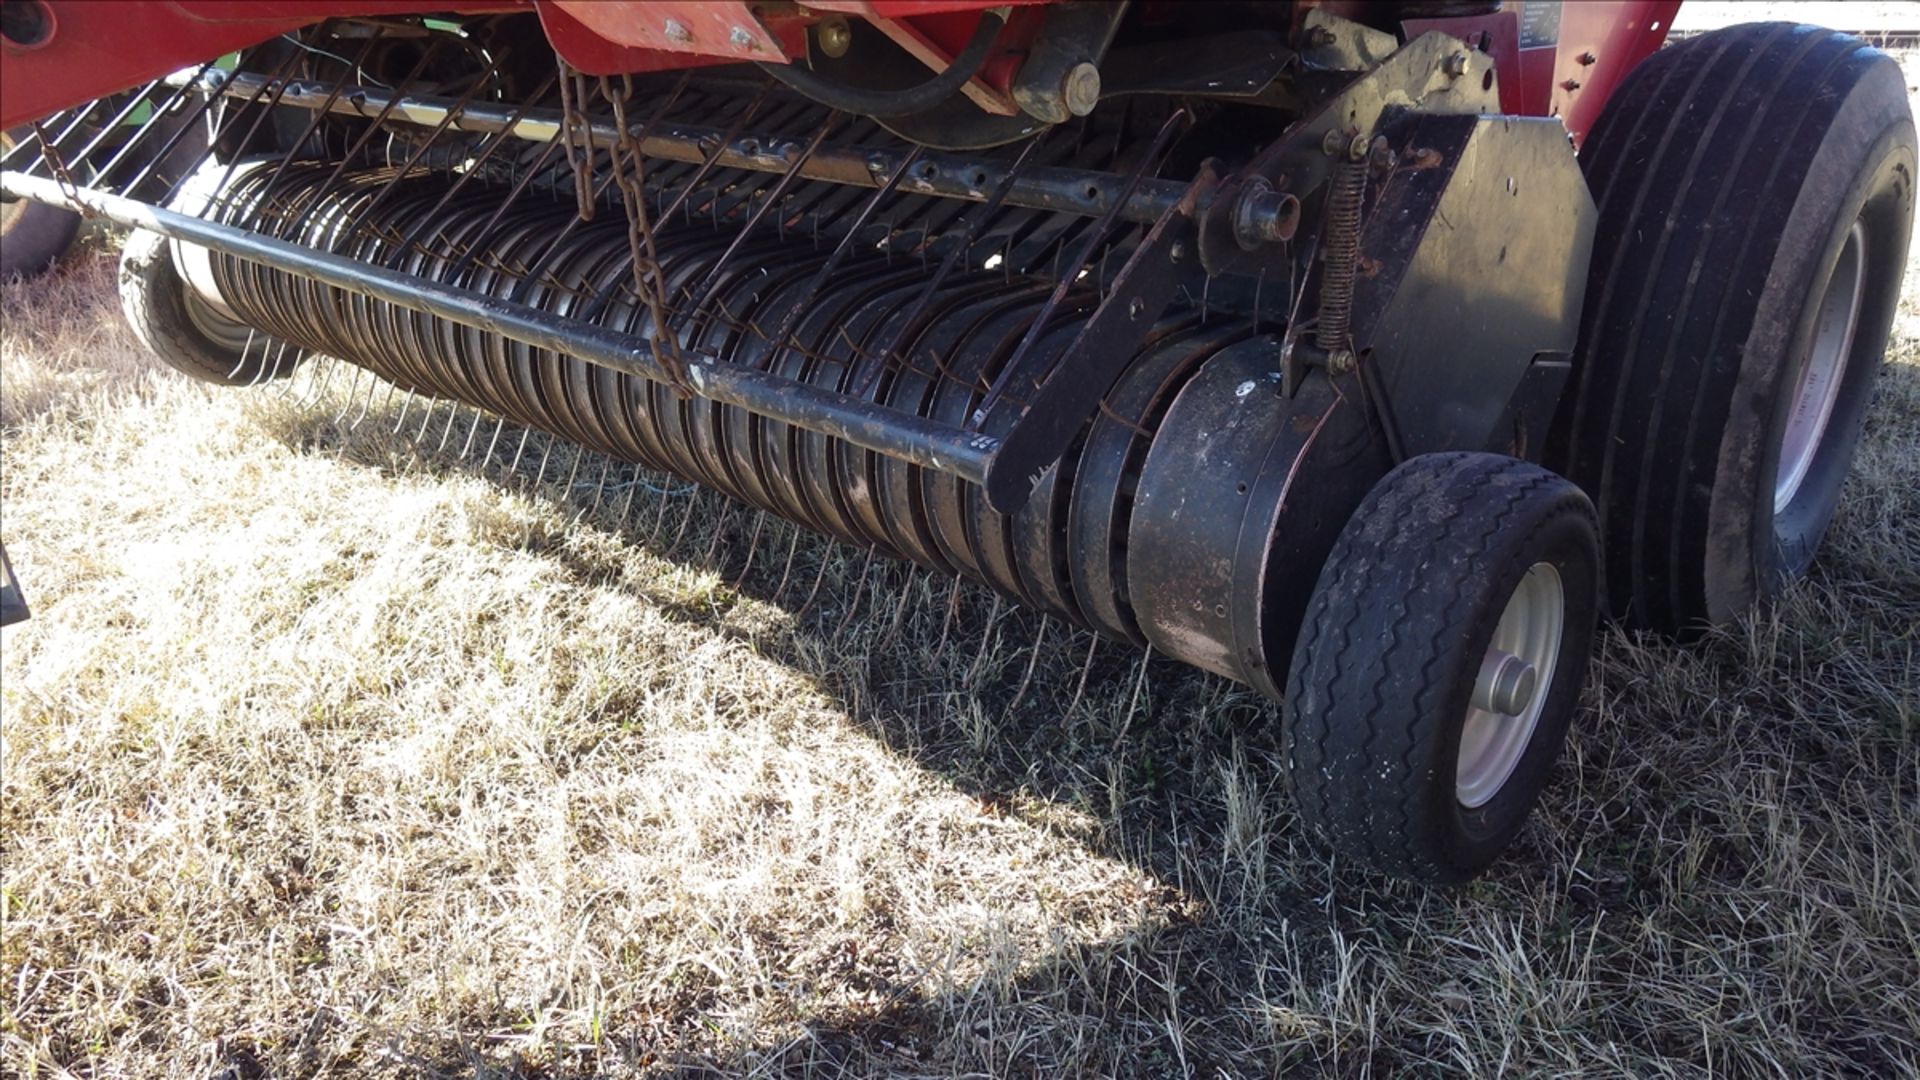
786,571
1176,125
719,149
794,313
818,577
753,545
420,151
519,188
26,153
693,501
952,258
544,260
859,592
120,117
353,391
213,96
719,534
453,414
52,145
975,669
713,278
333,178
573,473
405,407
1086,667
490,144
519,451
1033,660
279,83
600,488
185,126
245,348
899,610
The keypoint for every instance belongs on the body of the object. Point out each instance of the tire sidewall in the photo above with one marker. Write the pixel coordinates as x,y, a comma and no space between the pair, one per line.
1867,156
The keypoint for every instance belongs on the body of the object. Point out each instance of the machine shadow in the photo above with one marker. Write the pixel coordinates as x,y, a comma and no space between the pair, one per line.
1017,710
1178,770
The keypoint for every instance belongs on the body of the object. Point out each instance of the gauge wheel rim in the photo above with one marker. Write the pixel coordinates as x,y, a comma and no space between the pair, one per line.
1531,628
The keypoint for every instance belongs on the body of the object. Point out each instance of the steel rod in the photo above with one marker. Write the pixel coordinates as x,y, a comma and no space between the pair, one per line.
956,176
873,427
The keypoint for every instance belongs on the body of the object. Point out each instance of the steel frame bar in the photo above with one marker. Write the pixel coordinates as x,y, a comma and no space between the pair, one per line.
1087,192
873,427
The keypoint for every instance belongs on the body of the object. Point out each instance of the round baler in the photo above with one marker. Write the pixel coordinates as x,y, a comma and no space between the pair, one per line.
1367,354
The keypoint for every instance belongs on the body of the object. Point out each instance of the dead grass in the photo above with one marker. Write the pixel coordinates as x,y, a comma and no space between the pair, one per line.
327,754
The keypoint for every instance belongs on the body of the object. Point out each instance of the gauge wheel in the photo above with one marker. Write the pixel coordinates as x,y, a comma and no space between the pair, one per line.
1440,663
183,329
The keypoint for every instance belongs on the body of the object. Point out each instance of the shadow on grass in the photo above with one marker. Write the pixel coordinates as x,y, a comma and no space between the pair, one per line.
1693,777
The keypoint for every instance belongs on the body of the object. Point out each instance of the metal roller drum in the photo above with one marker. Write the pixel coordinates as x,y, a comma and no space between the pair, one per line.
1175,520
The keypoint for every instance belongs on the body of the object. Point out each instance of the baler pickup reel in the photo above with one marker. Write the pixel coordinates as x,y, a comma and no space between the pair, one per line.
1120,245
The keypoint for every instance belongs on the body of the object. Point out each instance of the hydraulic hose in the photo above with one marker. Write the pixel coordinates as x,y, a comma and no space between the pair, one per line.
891,103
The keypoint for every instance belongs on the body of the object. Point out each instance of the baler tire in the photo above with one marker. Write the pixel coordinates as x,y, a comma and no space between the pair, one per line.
1420,586
33,235
1744,177
182,329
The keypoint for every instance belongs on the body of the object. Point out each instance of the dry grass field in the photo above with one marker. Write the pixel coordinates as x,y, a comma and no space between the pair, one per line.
333,751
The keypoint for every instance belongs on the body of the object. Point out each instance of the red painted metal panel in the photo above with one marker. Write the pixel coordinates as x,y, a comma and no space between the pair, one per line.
101,47
1561,59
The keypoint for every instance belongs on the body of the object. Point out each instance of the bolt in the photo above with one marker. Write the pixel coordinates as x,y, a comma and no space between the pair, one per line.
1381,156
1357,148
1137,308
834,37
1340,362
676,32
1320,37
1570,85
1080,89
1334,141
1457,64
742,38
1587,59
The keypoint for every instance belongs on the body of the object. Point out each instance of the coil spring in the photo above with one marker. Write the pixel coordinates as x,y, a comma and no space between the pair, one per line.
1347,186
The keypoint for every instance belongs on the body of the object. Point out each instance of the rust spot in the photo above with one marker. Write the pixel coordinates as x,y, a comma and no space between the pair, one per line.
1424,157
1369,268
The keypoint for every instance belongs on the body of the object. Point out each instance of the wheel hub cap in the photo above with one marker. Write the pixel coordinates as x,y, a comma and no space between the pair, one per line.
1511,689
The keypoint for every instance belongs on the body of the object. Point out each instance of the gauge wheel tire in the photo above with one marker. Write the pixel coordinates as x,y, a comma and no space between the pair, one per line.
1755,188
183,329
1412,741
33,235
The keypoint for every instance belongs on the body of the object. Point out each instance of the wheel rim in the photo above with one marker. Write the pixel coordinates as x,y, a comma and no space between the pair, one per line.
1511,689
1818,386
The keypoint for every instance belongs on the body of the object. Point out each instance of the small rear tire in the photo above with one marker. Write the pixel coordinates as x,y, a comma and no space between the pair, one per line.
1440,663
182,328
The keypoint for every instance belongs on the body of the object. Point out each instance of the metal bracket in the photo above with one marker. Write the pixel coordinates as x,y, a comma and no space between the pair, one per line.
1099,353
1434,73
